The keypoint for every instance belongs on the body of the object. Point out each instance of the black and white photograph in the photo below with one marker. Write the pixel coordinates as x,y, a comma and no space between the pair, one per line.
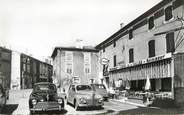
91,57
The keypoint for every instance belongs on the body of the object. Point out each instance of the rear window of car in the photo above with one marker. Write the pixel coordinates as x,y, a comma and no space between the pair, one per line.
45,87
83,87
99,86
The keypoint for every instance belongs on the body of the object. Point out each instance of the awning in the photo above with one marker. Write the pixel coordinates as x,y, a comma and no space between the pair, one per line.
154,70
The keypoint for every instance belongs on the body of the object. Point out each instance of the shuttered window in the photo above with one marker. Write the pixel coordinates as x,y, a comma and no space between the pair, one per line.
168,13
151,45
114,43
151,23
170,42
130,34
131,55
114,60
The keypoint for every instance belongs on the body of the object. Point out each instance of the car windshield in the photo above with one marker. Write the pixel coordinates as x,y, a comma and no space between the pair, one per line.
99,86
83,87
45,87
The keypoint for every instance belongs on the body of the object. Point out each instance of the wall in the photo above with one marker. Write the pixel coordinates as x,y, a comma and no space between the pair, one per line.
64,79
15,70
141,37
5,67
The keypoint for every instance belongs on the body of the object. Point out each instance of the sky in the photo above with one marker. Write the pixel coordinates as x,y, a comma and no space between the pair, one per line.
37,26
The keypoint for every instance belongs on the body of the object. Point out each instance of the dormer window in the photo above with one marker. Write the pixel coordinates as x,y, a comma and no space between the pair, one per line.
168,13
151,23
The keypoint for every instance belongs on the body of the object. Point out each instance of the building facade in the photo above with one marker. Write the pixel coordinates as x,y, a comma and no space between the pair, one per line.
71,63
27,70
5,67
33,71
147,47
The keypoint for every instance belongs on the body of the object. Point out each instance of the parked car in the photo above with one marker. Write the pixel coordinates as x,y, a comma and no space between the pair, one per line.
44,97
101,90
83,96
62,93
2,97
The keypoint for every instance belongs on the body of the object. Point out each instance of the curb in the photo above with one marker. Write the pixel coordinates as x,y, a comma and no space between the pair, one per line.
132,103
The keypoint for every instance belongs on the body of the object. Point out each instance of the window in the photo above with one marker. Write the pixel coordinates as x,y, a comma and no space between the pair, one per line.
103,49
114,43
151,23
168,13
69,68
151,45
114,58
130,34
131,55
87,70
87,63
170,42
69,62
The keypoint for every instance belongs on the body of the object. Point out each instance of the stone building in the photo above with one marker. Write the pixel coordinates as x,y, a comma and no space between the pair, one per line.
71,63
27,70
151,46
5,67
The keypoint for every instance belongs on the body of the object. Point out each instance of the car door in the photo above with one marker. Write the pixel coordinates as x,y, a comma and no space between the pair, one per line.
70,94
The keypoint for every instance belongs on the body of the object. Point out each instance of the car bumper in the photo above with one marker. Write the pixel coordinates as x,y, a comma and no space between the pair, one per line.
45,106
90,105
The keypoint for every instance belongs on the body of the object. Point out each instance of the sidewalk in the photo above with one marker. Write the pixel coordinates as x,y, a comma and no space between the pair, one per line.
21,98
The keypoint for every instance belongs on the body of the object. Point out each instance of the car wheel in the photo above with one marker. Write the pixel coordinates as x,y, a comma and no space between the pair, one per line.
76,105
32,112
67,102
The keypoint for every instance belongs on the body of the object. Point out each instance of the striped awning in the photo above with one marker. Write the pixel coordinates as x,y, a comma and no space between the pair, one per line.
154,70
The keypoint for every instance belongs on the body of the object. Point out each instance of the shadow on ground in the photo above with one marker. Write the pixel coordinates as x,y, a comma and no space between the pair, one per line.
151,110
88,108
51,112
9,108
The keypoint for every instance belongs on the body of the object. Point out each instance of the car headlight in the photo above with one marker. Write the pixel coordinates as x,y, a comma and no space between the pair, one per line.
82,100
60,101
100,100
34,101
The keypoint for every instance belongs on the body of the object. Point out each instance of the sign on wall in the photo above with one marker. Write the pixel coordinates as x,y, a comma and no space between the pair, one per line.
104,61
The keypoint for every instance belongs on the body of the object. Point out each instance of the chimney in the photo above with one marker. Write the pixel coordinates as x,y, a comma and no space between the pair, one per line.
79,43
121,25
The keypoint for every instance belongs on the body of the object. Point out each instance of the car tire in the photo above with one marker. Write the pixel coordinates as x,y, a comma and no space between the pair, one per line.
31,112
67,102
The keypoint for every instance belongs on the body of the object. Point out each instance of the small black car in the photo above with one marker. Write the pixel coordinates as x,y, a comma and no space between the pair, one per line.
44,97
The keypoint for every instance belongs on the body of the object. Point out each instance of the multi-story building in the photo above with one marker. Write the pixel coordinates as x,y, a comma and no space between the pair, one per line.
33,71
151,47
75,63
5,67
27,70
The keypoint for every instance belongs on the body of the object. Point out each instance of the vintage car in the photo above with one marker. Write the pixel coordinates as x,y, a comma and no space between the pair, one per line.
101,90
83,96
2,97
44,98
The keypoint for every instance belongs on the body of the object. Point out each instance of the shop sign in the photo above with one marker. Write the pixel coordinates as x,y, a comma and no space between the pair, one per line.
149,60
104,61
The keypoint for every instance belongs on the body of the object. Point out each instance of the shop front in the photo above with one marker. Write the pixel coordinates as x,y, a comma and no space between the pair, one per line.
157,70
